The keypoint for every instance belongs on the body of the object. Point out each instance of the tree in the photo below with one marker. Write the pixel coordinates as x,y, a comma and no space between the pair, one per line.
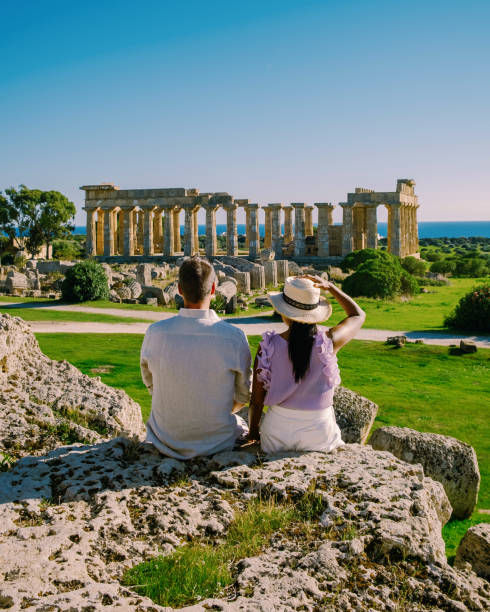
413,265
354,259
472,312
38,216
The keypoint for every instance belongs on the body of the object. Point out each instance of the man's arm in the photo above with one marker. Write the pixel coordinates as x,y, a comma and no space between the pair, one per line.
243,375
256,404
146,374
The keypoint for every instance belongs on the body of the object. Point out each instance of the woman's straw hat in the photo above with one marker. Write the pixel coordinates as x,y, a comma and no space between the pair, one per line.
300,301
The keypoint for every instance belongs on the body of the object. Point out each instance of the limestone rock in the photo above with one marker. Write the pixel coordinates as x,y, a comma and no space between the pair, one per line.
135,289
397,341
294,269
227,290
447,460
45,403
143,274
467,346
354,415
118,503
155,293
267,255
16,281
474,549
107,272
124,292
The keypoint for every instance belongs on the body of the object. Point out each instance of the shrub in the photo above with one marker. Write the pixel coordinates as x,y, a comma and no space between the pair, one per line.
218,303
374,278
409,285
85,281
353,260
67,249
473,311
443,266
413,265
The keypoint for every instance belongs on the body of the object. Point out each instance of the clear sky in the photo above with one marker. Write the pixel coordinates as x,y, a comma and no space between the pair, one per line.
271,100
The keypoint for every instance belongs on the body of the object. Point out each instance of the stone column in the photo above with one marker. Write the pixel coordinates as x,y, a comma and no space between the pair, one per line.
115,214
347,218
395,239
157,231
195,226
288,224
128,224
247,227
189,236
108,232
148,231
120,231
211,240
253,231
100,232
135,214
276,237
324,215
268,228
371,227
177,240
231,230
91,246
299,228
415,229
168,231
308,220
141,232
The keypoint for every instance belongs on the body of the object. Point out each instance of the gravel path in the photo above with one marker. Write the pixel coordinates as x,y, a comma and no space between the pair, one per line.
251,326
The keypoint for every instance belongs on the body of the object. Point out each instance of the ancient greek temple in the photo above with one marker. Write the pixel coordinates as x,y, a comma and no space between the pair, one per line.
129,223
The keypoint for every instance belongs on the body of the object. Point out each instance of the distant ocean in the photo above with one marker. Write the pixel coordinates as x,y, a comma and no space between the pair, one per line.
427,229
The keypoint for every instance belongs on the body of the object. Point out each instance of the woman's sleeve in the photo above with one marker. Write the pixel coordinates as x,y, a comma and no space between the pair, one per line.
264,356
324,345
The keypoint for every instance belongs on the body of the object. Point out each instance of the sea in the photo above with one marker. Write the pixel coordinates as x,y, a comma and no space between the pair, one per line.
427,229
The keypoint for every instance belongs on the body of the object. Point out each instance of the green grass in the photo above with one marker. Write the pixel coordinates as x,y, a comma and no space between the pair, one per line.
420,386
453,531
47,314
199,570
25,300
423,312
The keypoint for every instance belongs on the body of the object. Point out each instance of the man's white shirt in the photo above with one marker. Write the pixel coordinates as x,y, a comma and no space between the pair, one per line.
195,366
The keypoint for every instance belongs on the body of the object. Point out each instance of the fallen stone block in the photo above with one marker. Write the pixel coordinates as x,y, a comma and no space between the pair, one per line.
449,461
354,414
474,549
467,346
397,341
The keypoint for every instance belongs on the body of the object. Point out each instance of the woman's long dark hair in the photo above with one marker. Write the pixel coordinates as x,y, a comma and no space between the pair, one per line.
300,343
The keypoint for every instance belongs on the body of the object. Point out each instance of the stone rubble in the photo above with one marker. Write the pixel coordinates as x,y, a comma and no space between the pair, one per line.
474,549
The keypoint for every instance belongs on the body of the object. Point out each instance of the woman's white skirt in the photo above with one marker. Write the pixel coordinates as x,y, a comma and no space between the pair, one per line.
283,429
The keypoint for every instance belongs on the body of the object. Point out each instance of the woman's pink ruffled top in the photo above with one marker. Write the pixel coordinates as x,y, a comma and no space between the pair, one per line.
275,371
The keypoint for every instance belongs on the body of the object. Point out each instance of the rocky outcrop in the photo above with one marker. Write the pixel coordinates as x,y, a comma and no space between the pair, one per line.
354,415
46,403
447,460
474,549
72,521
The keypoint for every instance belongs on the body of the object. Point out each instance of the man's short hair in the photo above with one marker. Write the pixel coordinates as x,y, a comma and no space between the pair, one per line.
196,278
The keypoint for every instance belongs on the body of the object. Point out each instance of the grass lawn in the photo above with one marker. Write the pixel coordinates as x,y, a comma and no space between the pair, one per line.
41,314
420,386
423,312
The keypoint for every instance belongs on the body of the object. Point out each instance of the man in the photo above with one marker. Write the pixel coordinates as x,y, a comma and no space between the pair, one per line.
197,369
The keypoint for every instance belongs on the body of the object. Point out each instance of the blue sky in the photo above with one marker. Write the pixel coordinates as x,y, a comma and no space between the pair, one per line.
271,100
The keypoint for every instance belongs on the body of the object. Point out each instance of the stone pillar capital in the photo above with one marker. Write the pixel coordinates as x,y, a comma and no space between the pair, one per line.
346,204
251,205
275,205
298,204
243,203
324,205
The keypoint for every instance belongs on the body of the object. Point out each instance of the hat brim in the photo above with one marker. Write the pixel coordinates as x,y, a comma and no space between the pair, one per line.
321,313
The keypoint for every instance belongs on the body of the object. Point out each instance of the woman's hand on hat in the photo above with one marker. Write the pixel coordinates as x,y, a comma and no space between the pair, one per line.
319,282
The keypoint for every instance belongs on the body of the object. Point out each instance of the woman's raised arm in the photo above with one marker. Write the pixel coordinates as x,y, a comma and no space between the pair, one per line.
346,330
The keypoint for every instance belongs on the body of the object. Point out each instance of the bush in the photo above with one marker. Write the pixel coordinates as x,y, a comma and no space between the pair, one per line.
409,285
353,260
443,266
374,278
85,281
67,250
413,265
381,278
473,311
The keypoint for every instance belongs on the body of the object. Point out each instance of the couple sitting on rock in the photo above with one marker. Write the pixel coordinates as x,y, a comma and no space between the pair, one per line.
197,369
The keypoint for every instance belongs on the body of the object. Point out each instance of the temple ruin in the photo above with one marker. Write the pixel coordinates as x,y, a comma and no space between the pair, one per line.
143,223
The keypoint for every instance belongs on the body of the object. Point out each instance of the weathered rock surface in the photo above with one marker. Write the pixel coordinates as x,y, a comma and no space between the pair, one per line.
447,460
45,403
474,549
354,415
72,521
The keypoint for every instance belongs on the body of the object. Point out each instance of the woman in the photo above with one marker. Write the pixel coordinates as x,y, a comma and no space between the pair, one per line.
296,372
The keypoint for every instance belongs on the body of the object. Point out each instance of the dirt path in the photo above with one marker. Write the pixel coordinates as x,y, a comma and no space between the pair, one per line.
251,326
